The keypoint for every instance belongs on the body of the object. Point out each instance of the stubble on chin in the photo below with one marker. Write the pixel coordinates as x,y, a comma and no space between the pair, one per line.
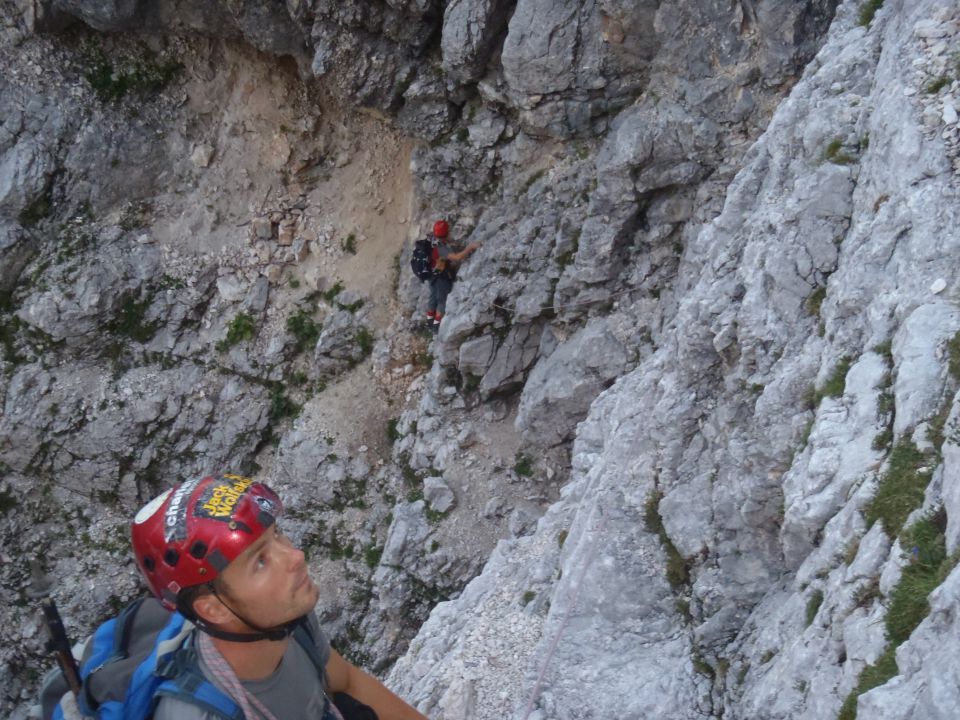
312,591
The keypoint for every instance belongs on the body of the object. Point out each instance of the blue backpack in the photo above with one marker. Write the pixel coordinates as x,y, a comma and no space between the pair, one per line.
146,653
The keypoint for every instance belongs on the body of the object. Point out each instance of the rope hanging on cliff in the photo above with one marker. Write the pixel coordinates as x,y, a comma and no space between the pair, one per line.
573,594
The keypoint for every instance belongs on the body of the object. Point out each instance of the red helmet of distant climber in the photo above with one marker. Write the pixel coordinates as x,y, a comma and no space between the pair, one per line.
441,229
189,534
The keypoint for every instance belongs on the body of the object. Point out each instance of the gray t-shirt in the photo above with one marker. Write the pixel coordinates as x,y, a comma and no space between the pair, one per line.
293,691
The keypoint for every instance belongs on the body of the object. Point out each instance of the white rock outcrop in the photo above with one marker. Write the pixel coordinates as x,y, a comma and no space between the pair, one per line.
830,239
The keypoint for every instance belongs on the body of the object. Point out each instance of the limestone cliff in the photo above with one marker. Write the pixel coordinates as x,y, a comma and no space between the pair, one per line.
684,444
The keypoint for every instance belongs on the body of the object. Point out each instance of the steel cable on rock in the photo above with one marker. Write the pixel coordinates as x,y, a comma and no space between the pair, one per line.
573,595
557,308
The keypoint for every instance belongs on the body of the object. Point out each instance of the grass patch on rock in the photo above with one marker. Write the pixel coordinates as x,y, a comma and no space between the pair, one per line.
331,294
834,153
371,555
393,432
928,566
303,329
364,340
836,383
281,406
867,12
872,676
38,209
813,606
677,570
129,320
937,84
901,488
240,329
815,301
112,78
523,466
953,352
8,501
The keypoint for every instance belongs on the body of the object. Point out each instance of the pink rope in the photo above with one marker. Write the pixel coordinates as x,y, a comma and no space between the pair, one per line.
228,679
573,594
231,683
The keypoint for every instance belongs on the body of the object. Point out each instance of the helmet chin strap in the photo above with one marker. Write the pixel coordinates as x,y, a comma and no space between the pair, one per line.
280,632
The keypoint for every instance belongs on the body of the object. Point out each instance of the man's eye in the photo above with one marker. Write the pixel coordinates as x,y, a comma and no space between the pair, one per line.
261,561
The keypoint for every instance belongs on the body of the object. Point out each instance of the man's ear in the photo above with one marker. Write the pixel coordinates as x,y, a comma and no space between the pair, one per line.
209,607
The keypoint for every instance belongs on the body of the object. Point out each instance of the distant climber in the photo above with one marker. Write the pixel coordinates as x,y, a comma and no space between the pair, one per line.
435,260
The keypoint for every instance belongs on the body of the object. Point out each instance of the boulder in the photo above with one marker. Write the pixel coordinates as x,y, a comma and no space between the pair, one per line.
438,494
471,29
561,387
406,535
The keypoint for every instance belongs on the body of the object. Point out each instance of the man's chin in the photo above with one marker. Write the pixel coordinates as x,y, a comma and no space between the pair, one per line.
311,591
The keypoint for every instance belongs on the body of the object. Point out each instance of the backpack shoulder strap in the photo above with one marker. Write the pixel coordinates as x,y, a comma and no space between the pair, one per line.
189,685
303,634
124,627
192,687
110,643
184,681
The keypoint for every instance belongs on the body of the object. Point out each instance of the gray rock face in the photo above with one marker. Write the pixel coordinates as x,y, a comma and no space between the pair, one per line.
951,481
371,50
408,530
31,128
471,29
565,66
438,494
813,257
820,480
266,26
732,331
72,313
116,15
302,456
267,29
572,52
920,344
15,252
562,386
926,682
338,345
652,148
511,360
568,65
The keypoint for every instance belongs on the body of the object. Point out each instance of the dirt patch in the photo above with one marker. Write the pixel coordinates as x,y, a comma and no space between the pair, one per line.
368,199
257,146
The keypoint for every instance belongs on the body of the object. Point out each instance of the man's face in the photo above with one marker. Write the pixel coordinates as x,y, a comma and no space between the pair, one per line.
269,583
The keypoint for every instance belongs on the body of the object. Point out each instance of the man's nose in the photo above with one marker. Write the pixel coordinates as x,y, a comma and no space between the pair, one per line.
295,555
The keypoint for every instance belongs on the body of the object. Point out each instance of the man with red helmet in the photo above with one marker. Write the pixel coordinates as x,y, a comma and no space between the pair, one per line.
445,262
210,548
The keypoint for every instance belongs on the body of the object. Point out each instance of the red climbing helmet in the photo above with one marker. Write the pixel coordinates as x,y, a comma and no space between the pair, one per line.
190,533
441,229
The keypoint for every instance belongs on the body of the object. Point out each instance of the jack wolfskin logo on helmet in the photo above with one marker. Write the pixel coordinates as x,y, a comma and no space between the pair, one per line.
175,519
218,501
